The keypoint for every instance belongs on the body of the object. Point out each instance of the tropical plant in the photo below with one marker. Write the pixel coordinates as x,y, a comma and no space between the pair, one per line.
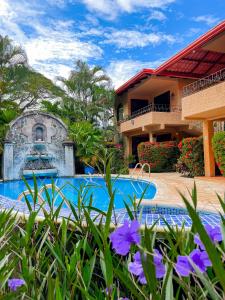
88,140
218,144
8,112
83,257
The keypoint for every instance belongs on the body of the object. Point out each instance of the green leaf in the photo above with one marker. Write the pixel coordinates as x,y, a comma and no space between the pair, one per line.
210,248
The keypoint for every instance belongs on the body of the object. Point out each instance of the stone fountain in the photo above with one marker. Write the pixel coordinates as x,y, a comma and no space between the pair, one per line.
37,143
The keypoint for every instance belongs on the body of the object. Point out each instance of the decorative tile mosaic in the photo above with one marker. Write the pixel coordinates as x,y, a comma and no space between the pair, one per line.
149,215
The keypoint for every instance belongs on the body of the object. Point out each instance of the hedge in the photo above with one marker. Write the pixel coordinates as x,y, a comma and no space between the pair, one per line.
162,157
218,144
191,161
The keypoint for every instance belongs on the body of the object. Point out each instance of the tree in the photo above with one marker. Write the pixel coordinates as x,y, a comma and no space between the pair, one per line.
10,56
89,95
19,82
29,88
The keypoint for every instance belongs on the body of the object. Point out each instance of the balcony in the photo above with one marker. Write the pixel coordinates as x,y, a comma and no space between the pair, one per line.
204,83
205,98
153,117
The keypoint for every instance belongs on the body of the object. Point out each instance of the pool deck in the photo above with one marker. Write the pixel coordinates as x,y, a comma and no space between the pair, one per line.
170,184
167,199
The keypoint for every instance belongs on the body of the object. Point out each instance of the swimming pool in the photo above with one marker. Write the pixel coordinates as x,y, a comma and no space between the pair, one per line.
125,189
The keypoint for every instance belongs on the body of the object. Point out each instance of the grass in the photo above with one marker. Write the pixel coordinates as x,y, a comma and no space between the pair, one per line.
66,260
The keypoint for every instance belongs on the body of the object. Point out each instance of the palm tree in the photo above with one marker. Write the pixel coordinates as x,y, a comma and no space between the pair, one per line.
88,91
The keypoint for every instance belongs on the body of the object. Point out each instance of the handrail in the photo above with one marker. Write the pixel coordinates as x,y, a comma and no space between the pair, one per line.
149,168
135,168
142,169
204,83
140,172
152,108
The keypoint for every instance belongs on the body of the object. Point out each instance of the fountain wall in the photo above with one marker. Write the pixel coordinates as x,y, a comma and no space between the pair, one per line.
37,143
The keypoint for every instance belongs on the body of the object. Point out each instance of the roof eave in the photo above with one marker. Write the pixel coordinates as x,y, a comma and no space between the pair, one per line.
136,78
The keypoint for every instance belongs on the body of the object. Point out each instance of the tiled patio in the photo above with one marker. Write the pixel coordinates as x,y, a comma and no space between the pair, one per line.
170,184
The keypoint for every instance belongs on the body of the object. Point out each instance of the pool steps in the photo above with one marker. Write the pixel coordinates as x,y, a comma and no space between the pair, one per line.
140,173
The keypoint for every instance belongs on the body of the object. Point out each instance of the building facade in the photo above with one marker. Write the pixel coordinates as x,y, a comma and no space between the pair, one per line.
183,97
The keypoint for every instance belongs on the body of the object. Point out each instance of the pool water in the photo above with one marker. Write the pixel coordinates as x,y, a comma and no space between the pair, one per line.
95,187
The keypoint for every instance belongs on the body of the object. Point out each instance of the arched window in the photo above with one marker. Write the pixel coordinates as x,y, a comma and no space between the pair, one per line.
120,112
39,133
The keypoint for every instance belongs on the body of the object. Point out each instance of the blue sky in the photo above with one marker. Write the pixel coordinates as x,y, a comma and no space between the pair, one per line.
123,36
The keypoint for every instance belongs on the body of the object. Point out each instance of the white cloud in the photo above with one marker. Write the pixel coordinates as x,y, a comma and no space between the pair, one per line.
112,8
210,20
122,71
133,38
51,48
157,15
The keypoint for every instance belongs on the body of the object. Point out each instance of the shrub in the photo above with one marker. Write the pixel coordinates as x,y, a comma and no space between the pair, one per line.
218,144
191,161
161,156
119,164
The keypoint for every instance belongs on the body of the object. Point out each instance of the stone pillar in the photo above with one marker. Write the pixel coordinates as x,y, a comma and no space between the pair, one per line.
208,132
8,170
69,165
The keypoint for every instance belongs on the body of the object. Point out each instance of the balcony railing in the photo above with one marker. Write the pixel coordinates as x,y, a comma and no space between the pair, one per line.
152,108
204,83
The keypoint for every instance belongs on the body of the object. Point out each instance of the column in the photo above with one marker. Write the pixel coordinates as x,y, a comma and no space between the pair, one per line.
151,137
69,165
128,145
8,171
208,132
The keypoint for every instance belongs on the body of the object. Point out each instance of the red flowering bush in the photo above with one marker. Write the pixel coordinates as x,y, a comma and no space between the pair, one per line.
191,161
218,144
161,156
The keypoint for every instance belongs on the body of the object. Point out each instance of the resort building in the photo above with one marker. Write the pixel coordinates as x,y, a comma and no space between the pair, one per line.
182,97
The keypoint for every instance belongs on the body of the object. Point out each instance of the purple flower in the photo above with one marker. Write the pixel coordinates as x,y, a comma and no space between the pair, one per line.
213,232
109,290
199,258
124,236
159,266
15,283
137,269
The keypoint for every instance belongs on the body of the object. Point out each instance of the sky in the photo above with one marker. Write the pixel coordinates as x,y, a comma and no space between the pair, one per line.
122,36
